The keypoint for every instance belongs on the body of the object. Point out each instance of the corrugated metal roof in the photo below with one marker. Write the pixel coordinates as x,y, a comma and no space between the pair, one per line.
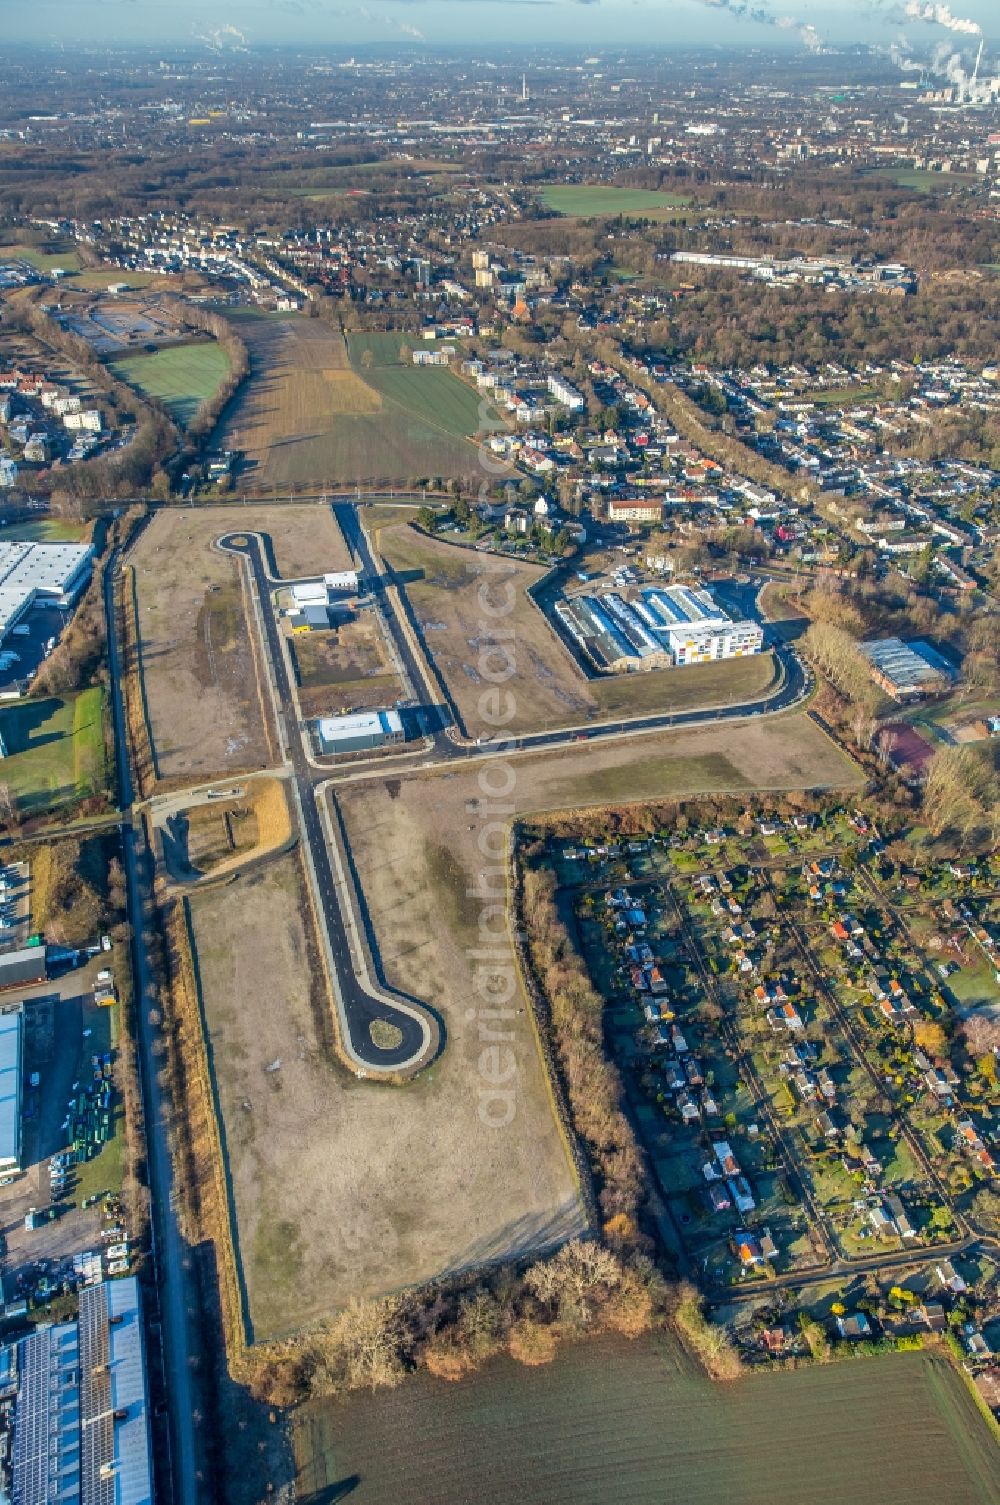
117,1467
11,1037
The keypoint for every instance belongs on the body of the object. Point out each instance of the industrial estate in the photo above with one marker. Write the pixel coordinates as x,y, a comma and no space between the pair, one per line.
500,773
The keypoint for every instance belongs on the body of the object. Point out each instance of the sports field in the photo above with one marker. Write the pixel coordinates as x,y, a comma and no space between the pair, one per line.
632,1423
324,411
442,584
590,200
922,180
181,376
43,261
44,530
54,749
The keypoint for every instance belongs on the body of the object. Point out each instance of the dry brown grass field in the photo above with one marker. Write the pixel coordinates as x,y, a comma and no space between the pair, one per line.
442,583
197,662
345,1188
302,377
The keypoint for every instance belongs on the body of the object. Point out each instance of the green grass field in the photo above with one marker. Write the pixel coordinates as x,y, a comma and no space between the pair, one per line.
181,376
45,530
42,261
433,395
54,749
923,181
97,278
588,200
383,348
634,1424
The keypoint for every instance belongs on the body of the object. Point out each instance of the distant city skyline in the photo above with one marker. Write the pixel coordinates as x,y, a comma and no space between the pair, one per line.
230,25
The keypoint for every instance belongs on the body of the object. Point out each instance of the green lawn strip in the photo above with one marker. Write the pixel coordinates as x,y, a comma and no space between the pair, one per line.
42,261
45,530
88,741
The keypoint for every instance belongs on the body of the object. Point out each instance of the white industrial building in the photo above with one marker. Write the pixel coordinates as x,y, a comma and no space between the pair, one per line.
696,629
325,590
665,625
30,572
361,732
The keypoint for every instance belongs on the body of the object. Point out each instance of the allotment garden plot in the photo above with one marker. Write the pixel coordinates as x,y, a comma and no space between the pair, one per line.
782,1023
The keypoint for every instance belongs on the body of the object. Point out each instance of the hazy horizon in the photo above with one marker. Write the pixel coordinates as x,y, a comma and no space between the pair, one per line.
224,25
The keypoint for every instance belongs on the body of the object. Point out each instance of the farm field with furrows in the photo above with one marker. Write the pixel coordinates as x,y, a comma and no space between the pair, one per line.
308,415
442,583
635,1422
346,1188
202,695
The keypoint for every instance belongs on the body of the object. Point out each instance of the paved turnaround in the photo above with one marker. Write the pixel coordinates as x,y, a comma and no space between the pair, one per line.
359,1005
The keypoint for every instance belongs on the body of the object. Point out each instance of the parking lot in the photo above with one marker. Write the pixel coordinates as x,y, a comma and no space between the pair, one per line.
65,1030
23,652
15,906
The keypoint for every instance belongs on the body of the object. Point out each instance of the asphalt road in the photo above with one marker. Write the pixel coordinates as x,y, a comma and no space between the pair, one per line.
170,1249
359,1008
435,716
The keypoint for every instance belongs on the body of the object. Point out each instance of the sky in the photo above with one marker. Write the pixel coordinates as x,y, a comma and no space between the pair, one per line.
228,24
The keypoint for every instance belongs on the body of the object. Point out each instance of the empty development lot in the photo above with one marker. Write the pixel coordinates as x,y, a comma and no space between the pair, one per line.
442,583
346,1188
201,686
310,414
344,670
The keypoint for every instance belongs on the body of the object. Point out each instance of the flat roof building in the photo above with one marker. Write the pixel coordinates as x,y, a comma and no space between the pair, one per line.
22,969
81,1415
675,625
11,1073
53,572
907,671
361,732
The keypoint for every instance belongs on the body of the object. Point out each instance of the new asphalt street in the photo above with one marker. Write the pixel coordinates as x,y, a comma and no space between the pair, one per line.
358,1007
